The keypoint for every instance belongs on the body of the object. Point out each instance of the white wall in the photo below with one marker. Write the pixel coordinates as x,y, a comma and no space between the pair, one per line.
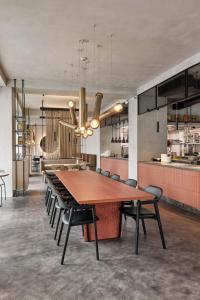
133,117
91,145
6,135
105,140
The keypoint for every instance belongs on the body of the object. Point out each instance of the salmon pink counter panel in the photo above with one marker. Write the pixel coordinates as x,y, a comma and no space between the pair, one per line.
115,166
178,184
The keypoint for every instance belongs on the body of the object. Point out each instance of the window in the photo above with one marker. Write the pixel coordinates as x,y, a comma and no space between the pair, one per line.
194,80
171,90
147,101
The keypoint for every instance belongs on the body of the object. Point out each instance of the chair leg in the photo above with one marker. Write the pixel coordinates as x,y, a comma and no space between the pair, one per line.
49,201
160,225
52,212
82,230
5,190
47,196
50,204
57,226
137,227
60,234
87,233
54,215
95,232
67,235
1,197
144,227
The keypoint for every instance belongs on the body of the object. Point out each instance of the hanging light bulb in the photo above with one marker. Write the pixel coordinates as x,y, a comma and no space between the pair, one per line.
82,129
85,135
71,104
89,132
94,123
118,107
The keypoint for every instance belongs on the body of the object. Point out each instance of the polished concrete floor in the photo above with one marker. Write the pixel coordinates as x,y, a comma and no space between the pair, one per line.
30,260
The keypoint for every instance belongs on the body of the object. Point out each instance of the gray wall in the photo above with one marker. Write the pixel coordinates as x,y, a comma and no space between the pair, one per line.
150,142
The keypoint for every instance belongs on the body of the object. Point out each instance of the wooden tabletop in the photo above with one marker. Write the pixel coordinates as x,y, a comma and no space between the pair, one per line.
89,187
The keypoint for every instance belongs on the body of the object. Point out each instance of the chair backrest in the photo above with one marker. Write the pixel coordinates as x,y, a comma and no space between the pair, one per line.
131,182
115,177
98,170
105,173
154,190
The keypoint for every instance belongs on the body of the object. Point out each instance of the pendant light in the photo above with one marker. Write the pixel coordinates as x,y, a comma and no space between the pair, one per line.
96,113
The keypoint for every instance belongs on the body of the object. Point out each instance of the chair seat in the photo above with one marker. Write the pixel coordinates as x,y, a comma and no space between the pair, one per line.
132,212
79,217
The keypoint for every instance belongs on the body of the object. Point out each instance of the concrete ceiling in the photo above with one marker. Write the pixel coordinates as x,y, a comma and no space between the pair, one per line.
39,42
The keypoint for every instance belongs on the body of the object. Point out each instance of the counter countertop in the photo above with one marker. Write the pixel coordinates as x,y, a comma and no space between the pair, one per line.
113,157
176,165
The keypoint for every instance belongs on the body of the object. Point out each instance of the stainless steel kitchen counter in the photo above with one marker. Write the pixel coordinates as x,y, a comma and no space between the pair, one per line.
176,165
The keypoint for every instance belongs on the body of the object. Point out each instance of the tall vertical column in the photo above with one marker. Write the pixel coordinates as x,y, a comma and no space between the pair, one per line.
133,137
6,135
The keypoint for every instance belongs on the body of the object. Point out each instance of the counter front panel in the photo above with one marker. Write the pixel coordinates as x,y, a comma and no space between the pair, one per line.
115,166
178,184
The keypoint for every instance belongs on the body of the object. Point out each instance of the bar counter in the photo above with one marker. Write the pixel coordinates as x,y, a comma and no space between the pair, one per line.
179,181
116,165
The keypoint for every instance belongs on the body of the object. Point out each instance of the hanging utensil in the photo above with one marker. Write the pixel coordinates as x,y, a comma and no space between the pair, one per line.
115,141
123,139
119,138
127,133
112,140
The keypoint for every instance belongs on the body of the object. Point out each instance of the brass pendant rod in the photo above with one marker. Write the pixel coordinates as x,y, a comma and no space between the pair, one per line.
73,116
72,126
82,107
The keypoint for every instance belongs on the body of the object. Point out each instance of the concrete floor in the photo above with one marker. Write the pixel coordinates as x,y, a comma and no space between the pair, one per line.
30,260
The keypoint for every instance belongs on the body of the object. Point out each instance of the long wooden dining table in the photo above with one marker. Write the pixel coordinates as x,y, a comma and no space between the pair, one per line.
89,187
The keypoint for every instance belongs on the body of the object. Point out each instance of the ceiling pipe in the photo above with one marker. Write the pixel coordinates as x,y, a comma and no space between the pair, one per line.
117,108
96,113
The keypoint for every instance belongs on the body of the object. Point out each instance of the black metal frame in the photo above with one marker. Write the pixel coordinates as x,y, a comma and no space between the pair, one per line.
164,81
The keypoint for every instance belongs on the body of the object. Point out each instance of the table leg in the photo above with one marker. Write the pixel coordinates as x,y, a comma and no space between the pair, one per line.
109,223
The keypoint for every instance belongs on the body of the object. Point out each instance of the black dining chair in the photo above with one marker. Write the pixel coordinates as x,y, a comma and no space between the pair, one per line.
78,215
133,183
63,203
106,173
98,170
115,177
139,212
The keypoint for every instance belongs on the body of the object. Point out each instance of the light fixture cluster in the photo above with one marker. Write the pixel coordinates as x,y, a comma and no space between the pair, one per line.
84,127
